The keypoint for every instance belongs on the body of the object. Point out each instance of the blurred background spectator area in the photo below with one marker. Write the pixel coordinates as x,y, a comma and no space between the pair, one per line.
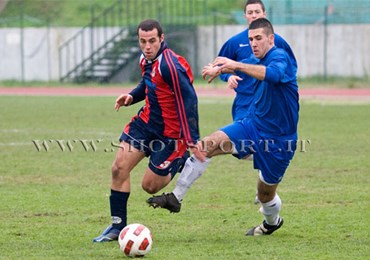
94,40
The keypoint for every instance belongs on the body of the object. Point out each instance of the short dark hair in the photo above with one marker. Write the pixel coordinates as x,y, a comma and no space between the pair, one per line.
262,23
249,2
148,25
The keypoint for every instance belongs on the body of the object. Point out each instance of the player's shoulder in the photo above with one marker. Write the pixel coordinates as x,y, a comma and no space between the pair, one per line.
177,57
174,59
168,54
280,51
239,37
277,53
280,41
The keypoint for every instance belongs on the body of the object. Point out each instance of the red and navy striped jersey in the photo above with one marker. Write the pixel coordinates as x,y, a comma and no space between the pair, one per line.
171,103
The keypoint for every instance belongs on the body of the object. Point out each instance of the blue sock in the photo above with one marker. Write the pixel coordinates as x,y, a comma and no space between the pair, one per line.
118,208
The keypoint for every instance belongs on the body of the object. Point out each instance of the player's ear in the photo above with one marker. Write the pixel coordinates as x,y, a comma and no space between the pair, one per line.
272,38
161,39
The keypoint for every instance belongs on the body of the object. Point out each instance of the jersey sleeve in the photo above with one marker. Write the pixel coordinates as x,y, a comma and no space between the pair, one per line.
138,93
177,74
227,50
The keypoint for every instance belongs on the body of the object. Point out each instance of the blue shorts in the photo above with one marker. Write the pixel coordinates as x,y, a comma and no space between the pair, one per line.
270,155
166,155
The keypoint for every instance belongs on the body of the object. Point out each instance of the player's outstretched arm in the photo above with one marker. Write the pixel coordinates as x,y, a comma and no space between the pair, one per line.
256,71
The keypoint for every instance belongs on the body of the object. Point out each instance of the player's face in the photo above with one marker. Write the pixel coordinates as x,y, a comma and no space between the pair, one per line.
150,43
260,42
253,12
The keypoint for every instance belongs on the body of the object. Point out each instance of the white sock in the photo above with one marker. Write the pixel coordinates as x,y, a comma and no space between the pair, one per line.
192,170
271,210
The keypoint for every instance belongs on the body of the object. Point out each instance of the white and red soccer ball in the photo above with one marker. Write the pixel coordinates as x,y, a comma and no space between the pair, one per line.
135,240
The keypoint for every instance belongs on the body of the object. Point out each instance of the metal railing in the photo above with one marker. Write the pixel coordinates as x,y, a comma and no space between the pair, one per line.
95,51
84,48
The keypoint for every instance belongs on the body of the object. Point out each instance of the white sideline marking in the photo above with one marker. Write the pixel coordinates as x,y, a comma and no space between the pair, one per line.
16,144
98,133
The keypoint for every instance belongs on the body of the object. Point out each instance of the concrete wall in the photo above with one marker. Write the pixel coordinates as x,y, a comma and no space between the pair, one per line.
348,49
347,52
40,59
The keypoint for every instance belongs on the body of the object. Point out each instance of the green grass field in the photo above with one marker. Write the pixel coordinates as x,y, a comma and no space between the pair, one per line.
54,202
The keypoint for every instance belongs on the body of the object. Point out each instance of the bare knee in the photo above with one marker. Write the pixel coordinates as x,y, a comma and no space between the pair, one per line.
152,183
115,170
149,188
119,172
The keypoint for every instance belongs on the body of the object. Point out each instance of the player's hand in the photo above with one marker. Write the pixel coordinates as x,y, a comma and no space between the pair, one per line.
198,152
226,65
232,82
123,100
211,71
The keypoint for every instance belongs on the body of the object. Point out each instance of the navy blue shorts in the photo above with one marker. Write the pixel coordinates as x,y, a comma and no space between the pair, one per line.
166,155
270,156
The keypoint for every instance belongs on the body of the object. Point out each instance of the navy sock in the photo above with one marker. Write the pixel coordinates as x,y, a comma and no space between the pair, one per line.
118,208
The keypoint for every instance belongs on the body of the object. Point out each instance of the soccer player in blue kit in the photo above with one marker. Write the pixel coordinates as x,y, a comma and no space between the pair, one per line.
163,129
269,131
236,48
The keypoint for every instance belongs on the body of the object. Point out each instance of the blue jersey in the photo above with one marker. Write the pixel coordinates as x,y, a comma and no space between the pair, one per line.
275,103
238,48
270,130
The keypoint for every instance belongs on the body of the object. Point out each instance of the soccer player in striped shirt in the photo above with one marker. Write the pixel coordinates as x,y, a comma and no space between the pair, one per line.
163,129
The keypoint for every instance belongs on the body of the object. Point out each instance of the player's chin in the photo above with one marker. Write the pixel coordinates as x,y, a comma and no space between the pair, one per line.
149,56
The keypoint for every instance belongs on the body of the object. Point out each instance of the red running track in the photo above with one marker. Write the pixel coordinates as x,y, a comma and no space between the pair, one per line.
202,92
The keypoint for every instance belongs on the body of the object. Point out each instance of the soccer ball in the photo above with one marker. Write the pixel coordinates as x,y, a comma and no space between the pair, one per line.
135,240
